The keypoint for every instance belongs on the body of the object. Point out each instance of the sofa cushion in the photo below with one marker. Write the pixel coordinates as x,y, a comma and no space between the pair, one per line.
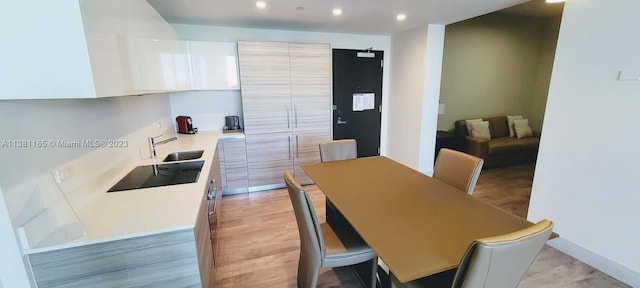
530,143
510,119
504,145
468,122
480,130
522,128
499,127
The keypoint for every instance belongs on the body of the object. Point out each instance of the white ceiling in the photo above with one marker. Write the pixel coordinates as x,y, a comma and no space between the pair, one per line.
358,16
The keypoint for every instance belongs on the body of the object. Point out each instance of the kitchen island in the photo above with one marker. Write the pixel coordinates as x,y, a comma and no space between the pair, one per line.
157,237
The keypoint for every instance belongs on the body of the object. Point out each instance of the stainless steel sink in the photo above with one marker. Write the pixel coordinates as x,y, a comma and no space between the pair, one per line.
183,155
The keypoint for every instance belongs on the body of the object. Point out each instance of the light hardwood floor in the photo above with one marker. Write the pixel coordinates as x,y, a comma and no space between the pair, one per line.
259,244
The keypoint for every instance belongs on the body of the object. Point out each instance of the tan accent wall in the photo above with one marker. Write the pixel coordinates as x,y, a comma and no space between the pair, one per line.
497,64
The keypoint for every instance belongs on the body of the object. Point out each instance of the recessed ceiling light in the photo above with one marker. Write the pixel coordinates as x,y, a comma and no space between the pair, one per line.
401,17
337,11
300,8
554,1
261,4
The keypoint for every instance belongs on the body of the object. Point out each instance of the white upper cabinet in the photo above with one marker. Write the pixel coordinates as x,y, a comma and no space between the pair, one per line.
88,49
214,65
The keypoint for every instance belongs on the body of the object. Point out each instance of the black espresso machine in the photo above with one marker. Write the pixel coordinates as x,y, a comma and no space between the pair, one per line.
232,124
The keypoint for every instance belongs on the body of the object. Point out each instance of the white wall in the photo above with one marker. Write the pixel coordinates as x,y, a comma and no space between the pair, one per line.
414,92
74,119
587,170
492,67
230,34
12,272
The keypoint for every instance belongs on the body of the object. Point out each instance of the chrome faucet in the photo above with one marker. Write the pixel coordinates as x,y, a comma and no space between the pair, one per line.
153,144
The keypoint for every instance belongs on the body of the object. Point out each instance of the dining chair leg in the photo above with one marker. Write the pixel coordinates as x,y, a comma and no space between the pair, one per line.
374,272
307,275
383,277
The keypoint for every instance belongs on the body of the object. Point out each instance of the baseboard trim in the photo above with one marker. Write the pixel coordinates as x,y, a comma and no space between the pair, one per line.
597,261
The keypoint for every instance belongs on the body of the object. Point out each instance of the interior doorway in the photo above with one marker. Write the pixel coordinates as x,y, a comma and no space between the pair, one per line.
494,66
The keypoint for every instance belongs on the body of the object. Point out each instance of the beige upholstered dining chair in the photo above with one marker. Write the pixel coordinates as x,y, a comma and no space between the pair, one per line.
458,169
337,150
496,262
320,246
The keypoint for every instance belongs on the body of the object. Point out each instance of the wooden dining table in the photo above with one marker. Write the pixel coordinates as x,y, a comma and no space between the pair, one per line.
418,225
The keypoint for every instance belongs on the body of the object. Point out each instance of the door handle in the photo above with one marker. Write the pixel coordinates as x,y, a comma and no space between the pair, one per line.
288,121
295,114
289,147
341,122
297,148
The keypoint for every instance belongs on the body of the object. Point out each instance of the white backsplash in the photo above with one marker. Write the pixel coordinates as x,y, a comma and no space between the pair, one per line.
38,205
207,108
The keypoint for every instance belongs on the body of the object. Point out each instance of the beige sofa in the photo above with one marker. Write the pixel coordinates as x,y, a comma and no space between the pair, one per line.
501,150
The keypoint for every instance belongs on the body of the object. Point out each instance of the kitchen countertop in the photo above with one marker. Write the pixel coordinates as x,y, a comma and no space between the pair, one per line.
139,212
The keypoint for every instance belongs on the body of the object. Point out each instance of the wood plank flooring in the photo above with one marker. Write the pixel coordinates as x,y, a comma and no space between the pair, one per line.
259,244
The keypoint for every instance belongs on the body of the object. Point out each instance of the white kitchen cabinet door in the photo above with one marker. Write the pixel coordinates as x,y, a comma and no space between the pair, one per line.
160,65
81,49
107,26
214,65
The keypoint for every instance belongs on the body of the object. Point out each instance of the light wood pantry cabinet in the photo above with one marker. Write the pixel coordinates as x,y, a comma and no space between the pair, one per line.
266,105
286,99
268,155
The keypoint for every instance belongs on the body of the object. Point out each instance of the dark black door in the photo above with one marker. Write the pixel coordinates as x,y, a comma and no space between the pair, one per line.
357,98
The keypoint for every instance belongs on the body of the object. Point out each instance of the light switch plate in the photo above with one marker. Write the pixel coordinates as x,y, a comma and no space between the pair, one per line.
629,75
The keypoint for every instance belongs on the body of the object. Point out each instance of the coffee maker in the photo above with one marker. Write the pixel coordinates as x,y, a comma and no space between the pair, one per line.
232,124
184,125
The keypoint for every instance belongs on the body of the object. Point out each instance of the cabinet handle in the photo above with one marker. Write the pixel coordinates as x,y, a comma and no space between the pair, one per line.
288,121
297,147
289,147
295,114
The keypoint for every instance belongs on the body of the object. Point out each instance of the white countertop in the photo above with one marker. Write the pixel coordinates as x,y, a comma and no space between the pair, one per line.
139,212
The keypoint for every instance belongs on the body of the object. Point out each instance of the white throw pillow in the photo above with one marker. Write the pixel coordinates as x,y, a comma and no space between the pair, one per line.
480,130
510,119
469,124
522,128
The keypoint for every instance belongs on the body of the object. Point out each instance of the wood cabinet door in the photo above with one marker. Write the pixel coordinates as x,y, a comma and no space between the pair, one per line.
235,155
266,105
221,164
310,60
204,244
311,103
263,60
306,150
268,155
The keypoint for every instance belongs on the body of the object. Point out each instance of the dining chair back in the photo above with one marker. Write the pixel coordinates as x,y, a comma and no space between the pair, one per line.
496,262
320,245
337,150
501,261
458,169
